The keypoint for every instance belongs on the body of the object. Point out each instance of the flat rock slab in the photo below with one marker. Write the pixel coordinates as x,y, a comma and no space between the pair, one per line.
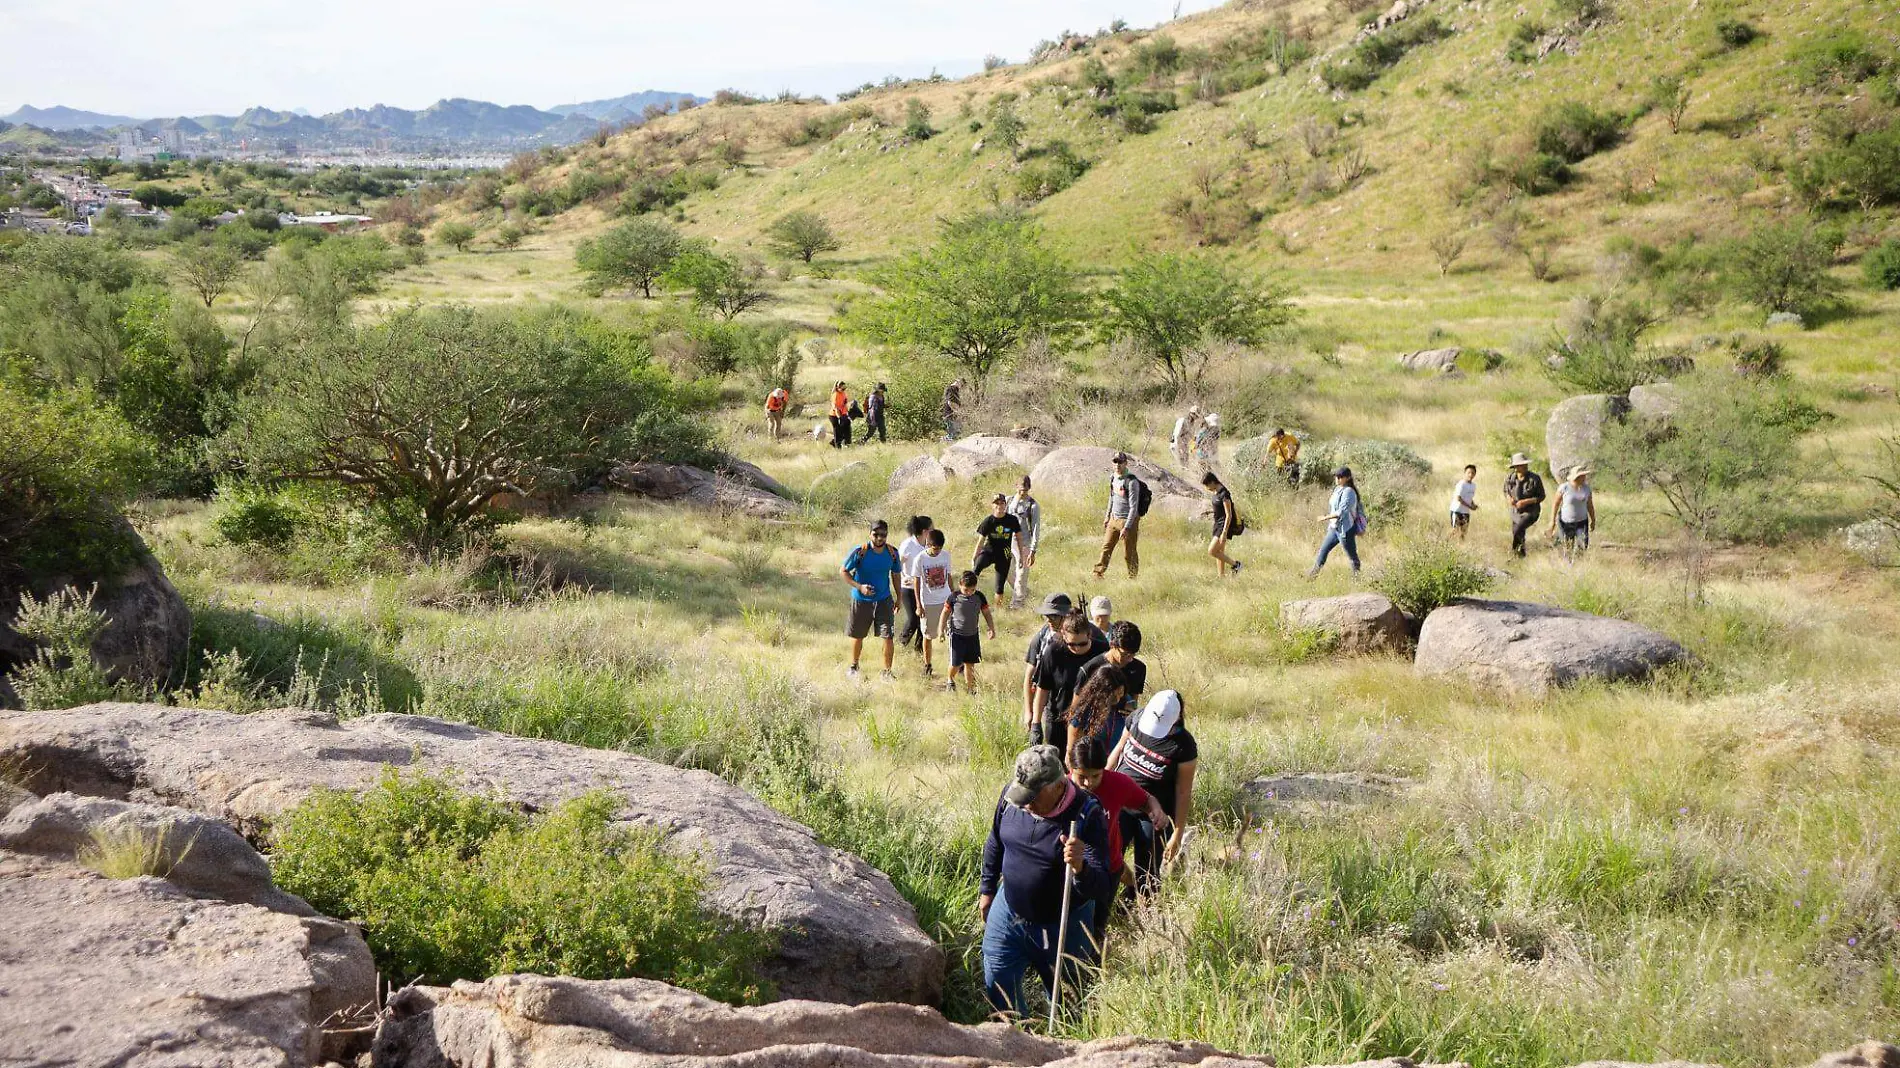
1529,648
1321,792
1363,622
1084,470
847,934
135,973
685,484
918,471
1441,361
635,1023
998,449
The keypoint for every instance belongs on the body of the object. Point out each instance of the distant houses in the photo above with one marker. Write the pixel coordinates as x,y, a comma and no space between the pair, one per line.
325,220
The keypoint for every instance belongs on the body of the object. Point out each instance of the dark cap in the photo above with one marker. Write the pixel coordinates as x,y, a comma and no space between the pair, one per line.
1037,768
880,525
999,499
1056,604
1342,472
1120,458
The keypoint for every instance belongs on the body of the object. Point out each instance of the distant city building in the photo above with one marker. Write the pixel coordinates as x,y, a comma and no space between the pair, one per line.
325,220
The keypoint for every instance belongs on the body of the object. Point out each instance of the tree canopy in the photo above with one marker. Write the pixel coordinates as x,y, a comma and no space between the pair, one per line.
633,255
802,235
1172,307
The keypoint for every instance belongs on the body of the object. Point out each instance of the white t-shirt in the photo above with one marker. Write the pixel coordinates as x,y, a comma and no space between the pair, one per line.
932,574
1464,491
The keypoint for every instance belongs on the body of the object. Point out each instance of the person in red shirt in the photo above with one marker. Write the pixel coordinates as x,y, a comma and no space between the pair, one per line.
1115,792
840,417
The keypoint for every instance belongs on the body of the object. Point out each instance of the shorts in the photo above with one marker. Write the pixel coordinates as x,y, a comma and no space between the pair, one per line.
933,621
965,649
868,615
1461,519
1578,531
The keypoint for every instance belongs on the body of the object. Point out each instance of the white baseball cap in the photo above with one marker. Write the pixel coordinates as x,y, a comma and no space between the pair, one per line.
1159,718
1100,607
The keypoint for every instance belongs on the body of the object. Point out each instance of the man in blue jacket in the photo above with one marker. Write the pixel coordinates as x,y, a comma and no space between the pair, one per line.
1032,855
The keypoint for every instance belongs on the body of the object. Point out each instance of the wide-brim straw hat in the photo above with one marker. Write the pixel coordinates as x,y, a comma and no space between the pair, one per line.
1518,459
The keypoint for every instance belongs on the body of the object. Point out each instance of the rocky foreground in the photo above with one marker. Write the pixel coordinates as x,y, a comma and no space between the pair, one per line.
213,966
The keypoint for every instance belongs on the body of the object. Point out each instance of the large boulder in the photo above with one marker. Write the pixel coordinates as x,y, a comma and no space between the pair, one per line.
989,452
1574,432
685,484
136,972
1657,401
846,934
753,475
918,471
1362,622
1530,648
199,855
1440,361
636,1023
148,625
1084,470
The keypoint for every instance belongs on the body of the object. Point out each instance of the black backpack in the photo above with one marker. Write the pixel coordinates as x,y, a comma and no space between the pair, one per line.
1144,498
855,412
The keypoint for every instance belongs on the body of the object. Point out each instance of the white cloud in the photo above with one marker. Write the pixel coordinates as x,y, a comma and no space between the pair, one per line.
169,57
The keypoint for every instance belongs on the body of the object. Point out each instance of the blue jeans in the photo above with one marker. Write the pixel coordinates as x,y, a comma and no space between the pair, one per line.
1012,946
1334,537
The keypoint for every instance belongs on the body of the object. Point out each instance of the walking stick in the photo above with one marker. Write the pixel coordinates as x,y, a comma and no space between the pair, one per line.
1062,936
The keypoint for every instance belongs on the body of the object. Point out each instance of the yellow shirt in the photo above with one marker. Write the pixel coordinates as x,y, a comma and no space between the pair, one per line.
1284,449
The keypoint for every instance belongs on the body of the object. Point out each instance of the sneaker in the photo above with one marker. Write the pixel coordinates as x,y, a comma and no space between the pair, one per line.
852,672
1312,573
887,676
929,672
950,687
1236,567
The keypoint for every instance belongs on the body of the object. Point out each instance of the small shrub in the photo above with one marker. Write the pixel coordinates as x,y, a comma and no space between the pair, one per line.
1372,461
130,853
1783,267
1839,59
1428,574
451,886
255,517
1574,131
1734,33
1881,267
63,673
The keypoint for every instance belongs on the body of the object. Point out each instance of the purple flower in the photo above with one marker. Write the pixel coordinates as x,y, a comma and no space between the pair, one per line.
1683,811
1797,902
1441,987
1822,918
1254,855
1853,941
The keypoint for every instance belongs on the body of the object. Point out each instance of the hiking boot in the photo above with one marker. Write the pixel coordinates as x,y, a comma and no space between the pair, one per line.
1236,567
929,672
950,687
888,676
853,673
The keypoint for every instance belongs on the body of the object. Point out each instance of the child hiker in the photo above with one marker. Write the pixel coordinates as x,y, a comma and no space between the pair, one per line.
960,613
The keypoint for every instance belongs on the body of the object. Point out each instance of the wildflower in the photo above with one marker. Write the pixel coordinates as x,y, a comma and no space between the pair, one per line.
1852,942
1441,987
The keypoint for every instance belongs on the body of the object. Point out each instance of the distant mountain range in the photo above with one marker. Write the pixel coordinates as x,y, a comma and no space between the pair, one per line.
446,122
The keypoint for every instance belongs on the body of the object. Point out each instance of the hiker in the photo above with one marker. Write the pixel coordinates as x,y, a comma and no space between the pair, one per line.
1161,756
1055,608
1226,525
1207,444
960,613
1284,448
929,578
869,569
1028,513
1576,512
840,417
1101,609
953,410
775,404
1181,442
1095,710
1124,641
909,549
1344,523
998,541
1128,501
1464,501
1117,794
1525,492
875,406
1029,859
1059,675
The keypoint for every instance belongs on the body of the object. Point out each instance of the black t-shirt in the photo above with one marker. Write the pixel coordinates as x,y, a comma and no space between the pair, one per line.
1222,498
1134,675
1060,672
1155,763
998,533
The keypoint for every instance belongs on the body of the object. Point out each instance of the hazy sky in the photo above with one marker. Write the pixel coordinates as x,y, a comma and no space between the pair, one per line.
169,57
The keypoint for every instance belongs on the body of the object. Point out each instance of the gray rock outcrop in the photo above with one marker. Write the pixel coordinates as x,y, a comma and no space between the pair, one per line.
635,1023
982,453
1363,622
1438,361
1084,470
846,933
1574,432
918,471
138,973
685,484
148,625
1657,401
1530,648
753,475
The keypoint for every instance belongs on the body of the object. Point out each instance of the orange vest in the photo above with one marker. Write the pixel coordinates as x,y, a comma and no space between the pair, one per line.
840,404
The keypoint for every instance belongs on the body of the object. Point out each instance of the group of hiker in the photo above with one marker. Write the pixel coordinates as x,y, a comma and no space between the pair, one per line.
1195,441
844,412
1570,525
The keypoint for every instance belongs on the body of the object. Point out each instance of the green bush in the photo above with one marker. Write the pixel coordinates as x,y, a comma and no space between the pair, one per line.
1430,573
1373,56
62,673
68,466
1734,33
251,516
1882,266
1839,59
1574,131
456,886
1372,461
916,396
1783,267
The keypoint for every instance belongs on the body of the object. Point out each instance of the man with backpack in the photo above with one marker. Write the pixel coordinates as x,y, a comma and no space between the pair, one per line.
1524,490
1128,501
870,569
874,406
775,403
